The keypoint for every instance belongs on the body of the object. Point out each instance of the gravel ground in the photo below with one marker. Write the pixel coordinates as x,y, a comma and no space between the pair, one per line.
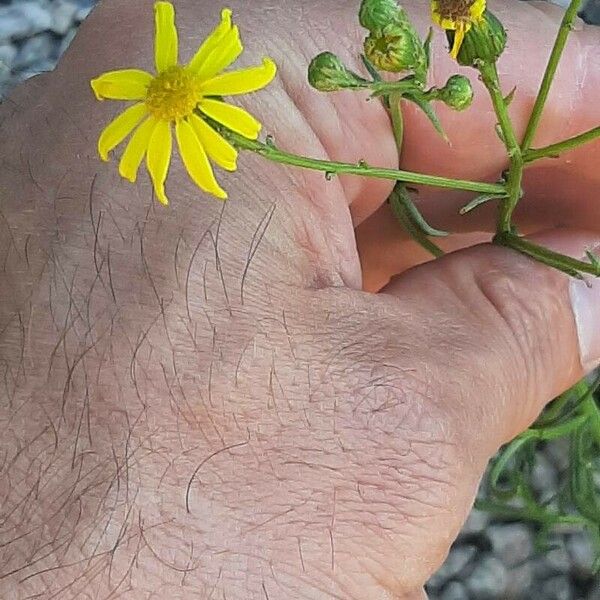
489,560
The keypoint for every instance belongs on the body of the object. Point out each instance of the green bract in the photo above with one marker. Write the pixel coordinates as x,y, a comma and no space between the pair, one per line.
376,14
484,42
397,47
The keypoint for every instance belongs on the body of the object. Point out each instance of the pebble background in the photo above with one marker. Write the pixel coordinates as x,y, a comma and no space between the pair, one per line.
489,560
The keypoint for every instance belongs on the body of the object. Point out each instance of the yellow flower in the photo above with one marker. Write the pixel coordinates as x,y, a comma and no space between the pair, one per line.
458,16
181,96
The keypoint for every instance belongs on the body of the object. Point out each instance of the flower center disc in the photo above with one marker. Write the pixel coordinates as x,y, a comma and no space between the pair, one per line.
173,94
455,10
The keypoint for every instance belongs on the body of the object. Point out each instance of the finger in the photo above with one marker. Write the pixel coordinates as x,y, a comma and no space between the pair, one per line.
385,249
453,359
505,334
475,151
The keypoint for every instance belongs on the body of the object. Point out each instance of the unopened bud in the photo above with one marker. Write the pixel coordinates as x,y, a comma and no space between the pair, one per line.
327,73
374,15
457,93
397,47
484,42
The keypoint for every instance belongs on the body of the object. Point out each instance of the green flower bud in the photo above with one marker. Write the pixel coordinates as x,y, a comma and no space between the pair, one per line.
374,15
327,73
457,93
485,41
397,47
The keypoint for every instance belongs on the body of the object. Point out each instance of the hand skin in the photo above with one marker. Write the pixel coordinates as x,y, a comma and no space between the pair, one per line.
199,401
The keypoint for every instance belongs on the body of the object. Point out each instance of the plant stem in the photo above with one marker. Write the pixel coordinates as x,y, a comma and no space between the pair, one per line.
568,265
489,76
573,396
384,88
270,151
397,119
555,150
557,50
524,514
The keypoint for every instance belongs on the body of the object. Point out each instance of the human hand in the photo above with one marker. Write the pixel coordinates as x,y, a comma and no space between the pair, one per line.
200,401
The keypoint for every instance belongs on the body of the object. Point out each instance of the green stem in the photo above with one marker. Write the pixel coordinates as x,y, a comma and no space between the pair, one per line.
592,415
489,76
566,264
384,88
523,514
555,150
397,119
555,55
557,431
573,396
269,151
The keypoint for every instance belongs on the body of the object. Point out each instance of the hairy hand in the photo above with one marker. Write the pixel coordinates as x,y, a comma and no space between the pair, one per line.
200,401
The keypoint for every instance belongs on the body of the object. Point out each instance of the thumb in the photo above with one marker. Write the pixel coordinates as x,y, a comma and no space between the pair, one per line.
454,358
505,334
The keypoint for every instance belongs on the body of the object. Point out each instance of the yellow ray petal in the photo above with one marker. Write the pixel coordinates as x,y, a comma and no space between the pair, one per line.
242,81
233,117
158,158
166,41
195,160
118,129
477,9
218,149
136,150
459,36
436,17
222,56
212,41
126,84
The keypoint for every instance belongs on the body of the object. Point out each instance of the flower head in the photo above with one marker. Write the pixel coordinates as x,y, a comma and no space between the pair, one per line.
183,97
458,16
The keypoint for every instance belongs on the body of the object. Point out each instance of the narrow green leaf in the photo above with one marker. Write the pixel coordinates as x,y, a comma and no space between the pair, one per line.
510,96
426,107
478,201
427,46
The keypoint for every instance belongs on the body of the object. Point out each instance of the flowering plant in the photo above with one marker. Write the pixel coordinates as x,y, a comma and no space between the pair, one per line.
190,100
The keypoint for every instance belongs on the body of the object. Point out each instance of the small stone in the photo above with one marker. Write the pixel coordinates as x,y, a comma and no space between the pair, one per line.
5,77
455,564
583,554
42,66
85,8
544,477
66,41
557,588
23,19
39,47
489,579
557,558
454,591
475,524
13,24
37,13
63,15
558,453
555,561
7,56
594,593
520,579
511,543
591,12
